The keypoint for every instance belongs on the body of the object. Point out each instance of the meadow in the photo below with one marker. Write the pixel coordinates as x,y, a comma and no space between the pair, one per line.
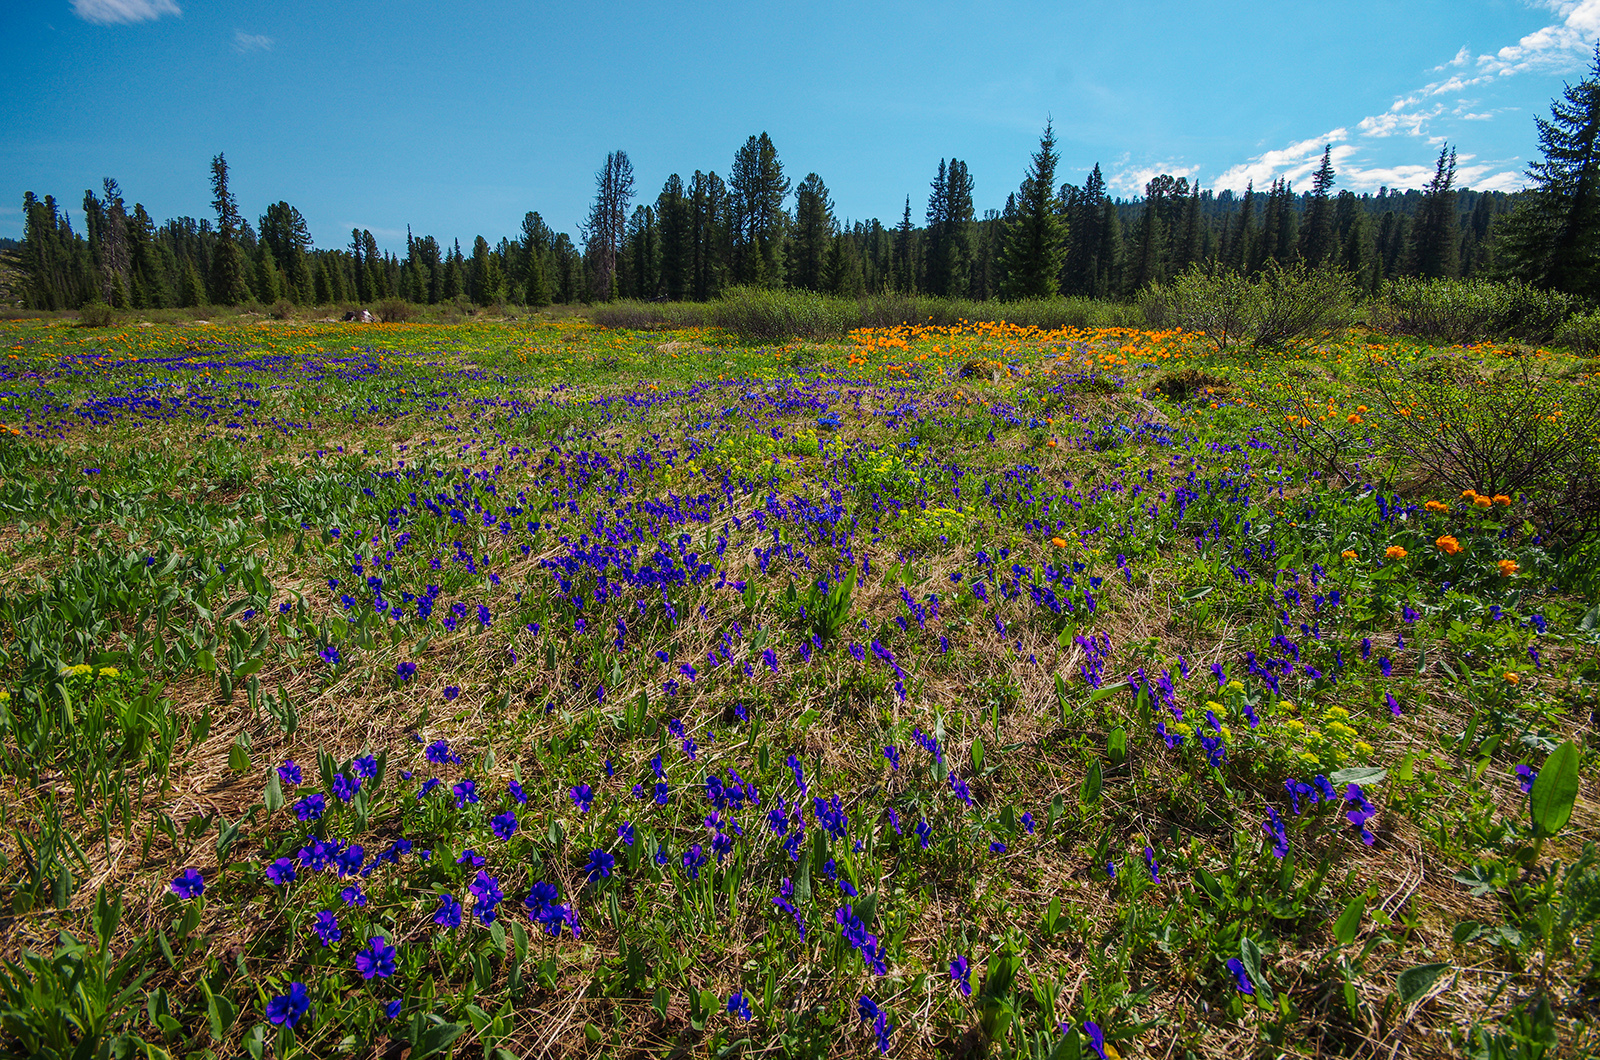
539,688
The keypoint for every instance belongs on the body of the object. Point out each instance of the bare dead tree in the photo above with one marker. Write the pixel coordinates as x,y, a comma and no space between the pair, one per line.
606,227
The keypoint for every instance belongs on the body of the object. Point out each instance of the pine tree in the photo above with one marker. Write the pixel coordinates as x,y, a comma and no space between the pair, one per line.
1239,252
269,281
756,190
905,256
644,253
813,234
676,221
947,250
536,242
606,228
230,268
1553,238
1435,251
1085,214
1318,238
841,271
709,235
1035,242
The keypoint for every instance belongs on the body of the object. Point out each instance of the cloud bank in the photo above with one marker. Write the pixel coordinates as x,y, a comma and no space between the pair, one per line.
123,12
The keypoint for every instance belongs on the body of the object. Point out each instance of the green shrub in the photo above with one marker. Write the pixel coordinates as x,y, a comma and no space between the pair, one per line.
648,316
394,311
1282,307
760,315
95,315
1460,311
1581,334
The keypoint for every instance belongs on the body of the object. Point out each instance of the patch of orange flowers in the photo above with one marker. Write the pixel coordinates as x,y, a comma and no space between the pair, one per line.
1448,545
1394,552
1508,567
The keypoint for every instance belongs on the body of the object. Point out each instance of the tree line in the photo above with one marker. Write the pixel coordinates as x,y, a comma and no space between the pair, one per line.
705,234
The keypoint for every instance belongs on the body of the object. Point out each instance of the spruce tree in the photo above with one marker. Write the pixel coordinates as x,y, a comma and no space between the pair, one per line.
905,255
1318,238
230,268
1553,238
813,234
676,222
1085,212
1035,241
269,281
536,241
1435,252
756,190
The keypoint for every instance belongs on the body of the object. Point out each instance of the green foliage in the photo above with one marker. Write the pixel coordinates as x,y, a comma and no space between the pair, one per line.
1581,334
96,315
1034,243
1554,791
1463,311
1283,307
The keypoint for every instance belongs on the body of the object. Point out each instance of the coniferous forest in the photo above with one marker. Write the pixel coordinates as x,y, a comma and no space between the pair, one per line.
758,227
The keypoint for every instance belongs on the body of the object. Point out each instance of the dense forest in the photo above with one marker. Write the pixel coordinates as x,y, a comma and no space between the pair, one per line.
755,227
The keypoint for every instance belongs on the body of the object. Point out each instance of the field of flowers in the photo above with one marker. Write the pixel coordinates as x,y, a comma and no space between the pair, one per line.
538,689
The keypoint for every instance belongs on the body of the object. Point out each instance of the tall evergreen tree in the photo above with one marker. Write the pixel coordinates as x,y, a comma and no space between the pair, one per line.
1035,241
1553,238
675,218
1318,238
1239,250
813,234
1085,214
905,254
606,228
644,253
947,250
1435,237
710,237
756,190
536,243
229,267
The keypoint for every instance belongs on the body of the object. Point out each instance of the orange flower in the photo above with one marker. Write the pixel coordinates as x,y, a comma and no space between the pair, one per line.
1513,678
1058,542
1508,567
1448,545
1469,495
1347,554
1394,552
1502,500
1437,506
1481,501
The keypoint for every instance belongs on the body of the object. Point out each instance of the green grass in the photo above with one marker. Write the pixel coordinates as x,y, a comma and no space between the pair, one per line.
732,565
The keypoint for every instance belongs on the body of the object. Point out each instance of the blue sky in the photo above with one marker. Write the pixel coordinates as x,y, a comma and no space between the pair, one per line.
459,118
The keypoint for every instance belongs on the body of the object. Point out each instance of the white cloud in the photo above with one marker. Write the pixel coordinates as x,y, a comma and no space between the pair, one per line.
1398,122
111,12
1132,181
1460,60
1293,163
1561,46
250,42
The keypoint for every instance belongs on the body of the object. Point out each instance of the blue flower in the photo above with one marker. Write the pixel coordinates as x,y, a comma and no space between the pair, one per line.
289,773
465,792
377,960
583,796
1151,864
327,928
289,1009
1241,978
486,889
625,833
961,974
451,692
1525,778
448,914
504,825
600,864
311,807
353,896
693,858
392,1009
892,753
281,872
517,794
738,1006
190,884
405,671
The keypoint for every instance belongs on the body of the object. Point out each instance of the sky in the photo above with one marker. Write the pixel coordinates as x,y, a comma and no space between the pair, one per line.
457,119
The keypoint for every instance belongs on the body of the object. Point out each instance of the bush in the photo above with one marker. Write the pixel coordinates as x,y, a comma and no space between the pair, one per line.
648,316
95,315
1284,306
1522,434
394,311
1581,334
761,315
282,309
1184,383
1461,311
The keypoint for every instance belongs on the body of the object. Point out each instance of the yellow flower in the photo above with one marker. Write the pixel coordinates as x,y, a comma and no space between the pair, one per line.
1310,759
1338,713
1286,704
1235,686
1295,725
1512,677
1058,542
1212,704
1448,544
109,671
1363,747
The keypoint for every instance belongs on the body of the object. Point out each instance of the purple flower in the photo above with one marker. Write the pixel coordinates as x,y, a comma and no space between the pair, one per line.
311,807
600,864
1027,822
504,825
289,1009
738,1006
1241,978
438,752
190,884
377,960
327,928
451,692
353,895
1151,864
625,833
583,795
961,974
448,914
405,671
289,773
392,1009
1525,777
892,753
281,872
1097,1040
465,792
330,655
486,889
517,794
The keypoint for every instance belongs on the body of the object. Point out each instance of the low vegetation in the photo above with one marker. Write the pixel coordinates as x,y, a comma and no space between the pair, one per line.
791,679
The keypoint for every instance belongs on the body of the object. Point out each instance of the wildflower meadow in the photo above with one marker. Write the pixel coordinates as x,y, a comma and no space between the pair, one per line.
533,688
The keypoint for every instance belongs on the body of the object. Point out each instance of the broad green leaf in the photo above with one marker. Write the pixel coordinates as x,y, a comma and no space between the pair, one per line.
1555,790
1349,922
1093,782
1363,775
1416,981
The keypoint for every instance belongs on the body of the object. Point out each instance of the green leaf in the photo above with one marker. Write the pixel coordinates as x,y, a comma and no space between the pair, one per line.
1349,922
1250,957
977,754
1362,775
435,1039
1093,783
1107,691
1117,745
1555,790
1416,981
